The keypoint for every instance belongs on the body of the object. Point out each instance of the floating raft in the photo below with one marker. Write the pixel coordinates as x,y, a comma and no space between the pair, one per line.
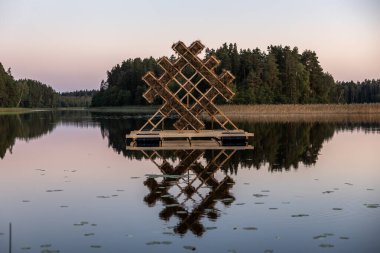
188,139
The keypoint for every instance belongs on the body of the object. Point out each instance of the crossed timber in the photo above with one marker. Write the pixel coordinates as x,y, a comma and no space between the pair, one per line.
188,88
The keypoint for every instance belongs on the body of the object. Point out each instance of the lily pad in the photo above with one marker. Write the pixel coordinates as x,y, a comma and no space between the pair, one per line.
323,245
89,234
211,228
153,175
166,242
96,246
49,251
372,205
240,204
337,209
259,195
57,190
318,237
103,197
172,205
45,246
227,200
173,176
153,243
327,192
299,215
189,247
249,228
344,238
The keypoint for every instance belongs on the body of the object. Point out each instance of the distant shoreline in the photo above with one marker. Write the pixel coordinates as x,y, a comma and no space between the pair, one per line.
260,112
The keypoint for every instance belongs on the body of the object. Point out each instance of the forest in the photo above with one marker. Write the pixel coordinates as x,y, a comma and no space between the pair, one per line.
29,93
280,75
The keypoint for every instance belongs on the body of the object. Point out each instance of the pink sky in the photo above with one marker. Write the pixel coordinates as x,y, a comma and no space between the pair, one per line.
70,45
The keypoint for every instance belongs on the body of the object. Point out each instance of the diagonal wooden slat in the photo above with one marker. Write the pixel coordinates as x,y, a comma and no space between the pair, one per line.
209,75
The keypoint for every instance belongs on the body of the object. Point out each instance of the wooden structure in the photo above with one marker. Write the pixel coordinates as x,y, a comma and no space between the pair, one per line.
188,87
189,139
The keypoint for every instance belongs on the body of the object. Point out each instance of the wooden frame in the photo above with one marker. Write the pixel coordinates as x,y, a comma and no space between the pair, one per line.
188,89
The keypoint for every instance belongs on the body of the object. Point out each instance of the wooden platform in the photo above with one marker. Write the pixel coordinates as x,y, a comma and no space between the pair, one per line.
189,139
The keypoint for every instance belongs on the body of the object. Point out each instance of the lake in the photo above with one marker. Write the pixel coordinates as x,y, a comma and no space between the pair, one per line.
68,184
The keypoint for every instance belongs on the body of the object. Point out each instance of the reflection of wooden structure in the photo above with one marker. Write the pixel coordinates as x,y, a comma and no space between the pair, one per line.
178,176
188,88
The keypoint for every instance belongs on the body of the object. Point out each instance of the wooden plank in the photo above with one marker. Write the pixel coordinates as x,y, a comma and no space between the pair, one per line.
189,134
203,147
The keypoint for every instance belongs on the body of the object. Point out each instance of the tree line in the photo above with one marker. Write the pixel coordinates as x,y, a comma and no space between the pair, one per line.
32,94
279,75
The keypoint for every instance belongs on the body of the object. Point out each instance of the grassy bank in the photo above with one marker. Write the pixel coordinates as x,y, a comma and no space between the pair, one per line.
312,112
14,110
125,109
121,109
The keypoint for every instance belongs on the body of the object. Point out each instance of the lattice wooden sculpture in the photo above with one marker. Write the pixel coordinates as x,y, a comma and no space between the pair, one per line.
183,93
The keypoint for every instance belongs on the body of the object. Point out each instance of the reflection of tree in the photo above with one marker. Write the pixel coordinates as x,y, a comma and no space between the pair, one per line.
115,127
280,145
34,125
284,145
24,127
188,186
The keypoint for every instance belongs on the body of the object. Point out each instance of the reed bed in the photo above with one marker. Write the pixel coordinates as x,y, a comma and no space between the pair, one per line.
312,112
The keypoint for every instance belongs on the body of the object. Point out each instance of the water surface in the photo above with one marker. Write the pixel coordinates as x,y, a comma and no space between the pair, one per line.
68,183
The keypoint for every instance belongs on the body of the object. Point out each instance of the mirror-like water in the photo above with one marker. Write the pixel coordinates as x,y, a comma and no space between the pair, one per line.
68,183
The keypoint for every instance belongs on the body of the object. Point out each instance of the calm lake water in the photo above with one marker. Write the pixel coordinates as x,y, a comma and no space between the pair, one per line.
68,183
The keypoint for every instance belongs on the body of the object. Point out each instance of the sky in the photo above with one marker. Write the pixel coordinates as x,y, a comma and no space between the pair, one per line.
70,44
